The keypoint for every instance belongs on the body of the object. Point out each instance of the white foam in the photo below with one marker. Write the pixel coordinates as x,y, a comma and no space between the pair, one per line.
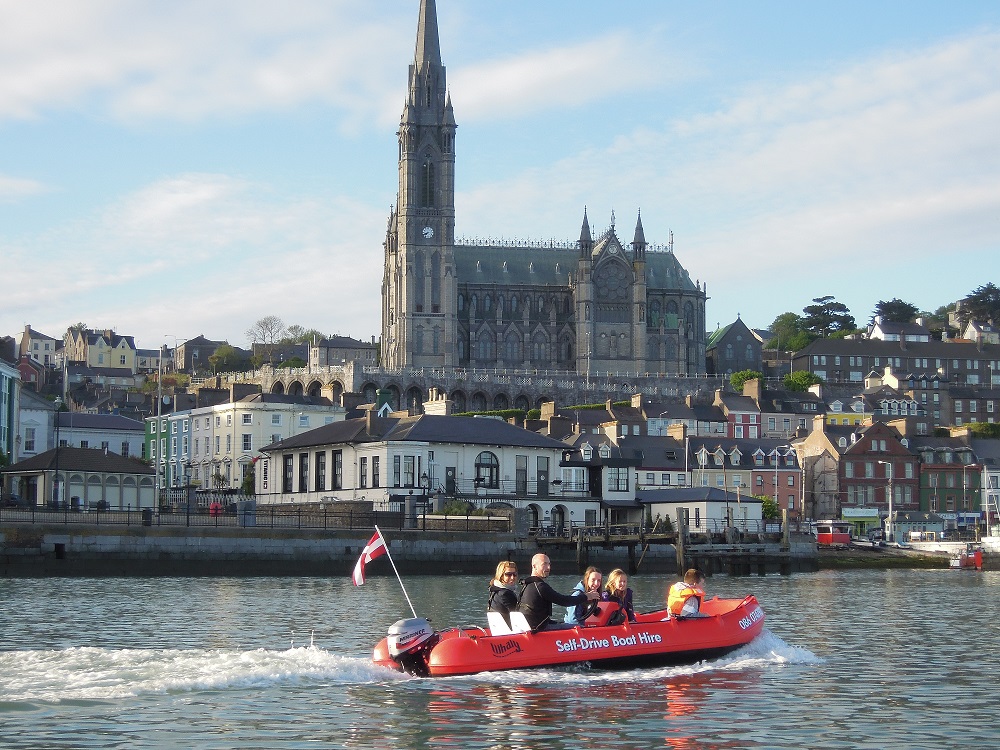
766,651
109,674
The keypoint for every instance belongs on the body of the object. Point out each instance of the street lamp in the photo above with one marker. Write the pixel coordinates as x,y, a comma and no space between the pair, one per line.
889,525
55,482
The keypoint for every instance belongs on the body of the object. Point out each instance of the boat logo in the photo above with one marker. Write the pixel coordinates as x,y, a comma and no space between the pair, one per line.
755,616
506,649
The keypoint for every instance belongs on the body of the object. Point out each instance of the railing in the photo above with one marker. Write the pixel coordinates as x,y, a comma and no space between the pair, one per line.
262,517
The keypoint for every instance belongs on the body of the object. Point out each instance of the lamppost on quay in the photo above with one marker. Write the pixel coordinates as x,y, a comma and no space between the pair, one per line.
55,482
889,525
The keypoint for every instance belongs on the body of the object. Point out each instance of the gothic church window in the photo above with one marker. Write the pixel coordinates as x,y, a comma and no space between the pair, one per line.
427,183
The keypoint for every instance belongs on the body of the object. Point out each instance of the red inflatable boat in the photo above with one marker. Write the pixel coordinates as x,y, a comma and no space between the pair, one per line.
412,646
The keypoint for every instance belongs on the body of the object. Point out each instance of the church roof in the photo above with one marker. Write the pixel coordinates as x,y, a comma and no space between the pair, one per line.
551,264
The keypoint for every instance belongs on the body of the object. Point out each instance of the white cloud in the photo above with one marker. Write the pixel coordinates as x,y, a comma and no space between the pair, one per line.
14,188
207,253
560,77
190,60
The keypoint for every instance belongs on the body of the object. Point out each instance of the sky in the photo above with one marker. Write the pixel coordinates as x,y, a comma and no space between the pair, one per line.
178,169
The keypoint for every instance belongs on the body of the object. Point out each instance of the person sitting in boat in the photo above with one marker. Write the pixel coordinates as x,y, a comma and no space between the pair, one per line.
503,592
617,591
685,597
537,597
591,581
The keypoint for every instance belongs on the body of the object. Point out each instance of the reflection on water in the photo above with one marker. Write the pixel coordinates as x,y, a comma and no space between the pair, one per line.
852,659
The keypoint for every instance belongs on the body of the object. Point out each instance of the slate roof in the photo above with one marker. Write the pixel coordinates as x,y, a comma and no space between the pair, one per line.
746,446
655,451
428,428
692,494
81,459
345,342
285,398
681,411
520,264
85,421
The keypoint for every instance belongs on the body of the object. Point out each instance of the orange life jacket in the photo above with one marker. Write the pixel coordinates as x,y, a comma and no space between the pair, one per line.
678,595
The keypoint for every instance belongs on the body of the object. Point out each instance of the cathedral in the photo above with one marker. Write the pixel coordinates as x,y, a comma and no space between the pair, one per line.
587,306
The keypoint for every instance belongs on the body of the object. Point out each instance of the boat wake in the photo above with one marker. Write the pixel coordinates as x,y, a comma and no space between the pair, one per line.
764,652
100,674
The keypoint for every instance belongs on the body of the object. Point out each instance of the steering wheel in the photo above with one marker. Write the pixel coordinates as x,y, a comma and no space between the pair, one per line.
592,608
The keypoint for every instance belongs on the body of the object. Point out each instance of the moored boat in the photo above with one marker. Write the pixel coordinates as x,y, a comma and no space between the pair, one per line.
654,639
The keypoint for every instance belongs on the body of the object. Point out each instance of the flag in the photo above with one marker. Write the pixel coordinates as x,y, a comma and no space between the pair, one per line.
374,548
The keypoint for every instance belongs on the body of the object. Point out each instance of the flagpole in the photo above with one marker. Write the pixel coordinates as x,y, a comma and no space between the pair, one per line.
386,545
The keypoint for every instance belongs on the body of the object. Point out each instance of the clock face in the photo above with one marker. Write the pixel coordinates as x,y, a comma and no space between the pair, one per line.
428,232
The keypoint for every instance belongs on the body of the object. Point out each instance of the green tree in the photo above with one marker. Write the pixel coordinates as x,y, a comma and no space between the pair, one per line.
789,334
826,317
249,486
895,311
293,362
737,379
989,430
800,380
768,507
981,305
225,358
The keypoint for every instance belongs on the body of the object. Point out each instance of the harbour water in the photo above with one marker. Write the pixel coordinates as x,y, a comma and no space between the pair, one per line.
854,659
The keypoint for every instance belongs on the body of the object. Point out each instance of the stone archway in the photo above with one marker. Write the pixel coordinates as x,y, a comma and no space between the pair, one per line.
478,402
315,389
337,389
295,388
277,387
393,394
370,392
501,402
459,401
522,402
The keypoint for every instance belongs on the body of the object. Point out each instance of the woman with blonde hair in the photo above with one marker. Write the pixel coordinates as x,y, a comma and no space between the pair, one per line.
503,594
617,591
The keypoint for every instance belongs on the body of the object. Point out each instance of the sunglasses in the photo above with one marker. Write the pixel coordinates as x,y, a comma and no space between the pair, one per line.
508,574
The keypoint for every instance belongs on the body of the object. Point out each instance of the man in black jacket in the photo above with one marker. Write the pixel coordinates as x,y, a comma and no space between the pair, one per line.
537,597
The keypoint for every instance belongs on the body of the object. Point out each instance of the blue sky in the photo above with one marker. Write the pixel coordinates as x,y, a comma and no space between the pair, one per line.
185,168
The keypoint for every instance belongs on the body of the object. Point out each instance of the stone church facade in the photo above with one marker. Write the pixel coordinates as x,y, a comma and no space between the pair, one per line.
587,306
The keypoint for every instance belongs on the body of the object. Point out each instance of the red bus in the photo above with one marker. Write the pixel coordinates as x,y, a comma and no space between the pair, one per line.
832,533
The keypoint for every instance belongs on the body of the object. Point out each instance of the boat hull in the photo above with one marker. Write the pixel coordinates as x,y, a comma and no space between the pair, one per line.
651,641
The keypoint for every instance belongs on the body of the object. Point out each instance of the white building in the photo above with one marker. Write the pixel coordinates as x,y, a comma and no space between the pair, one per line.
394,461
111,432
217,446
36,432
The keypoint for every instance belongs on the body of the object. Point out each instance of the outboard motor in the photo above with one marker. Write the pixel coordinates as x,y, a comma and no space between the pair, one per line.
410,642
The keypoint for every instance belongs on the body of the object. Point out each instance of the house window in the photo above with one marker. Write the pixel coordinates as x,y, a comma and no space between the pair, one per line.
247,442
618,479
363,471
397,471
303,472
664,479
375,467
248,419
338,470
791,480
488,470
321,471
29,439
409,471
650,478
288,471
275,419
125,448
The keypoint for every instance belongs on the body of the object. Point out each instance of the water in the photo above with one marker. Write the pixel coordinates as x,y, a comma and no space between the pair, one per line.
859,659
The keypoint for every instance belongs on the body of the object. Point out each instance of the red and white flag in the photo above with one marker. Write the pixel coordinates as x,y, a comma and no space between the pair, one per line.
374,548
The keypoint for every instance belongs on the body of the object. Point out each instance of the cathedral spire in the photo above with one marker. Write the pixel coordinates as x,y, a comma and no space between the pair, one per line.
639,239
586,241
428,45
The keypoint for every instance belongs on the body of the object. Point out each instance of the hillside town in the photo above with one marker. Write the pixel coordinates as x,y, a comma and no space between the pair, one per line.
577,381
